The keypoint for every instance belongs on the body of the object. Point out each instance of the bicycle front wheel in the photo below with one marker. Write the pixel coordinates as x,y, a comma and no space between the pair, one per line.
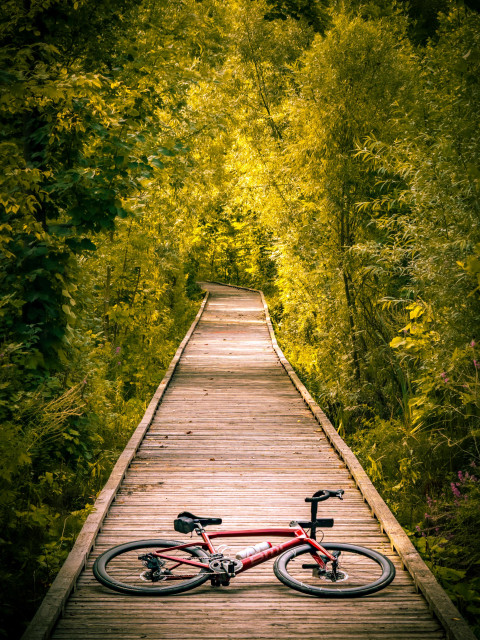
131,568
360,571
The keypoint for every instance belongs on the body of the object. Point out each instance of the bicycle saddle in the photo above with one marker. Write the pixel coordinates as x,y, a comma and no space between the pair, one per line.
186,522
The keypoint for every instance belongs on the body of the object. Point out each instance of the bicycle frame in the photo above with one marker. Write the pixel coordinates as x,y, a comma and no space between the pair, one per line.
297,533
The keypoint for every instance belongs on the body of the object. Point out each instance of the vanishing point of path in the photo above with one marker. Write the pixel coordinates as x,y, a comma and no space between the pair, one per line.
233,438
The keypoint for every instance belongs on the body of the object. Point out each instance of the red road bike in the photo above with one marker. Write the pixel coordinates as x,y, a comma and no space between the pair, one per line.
168,567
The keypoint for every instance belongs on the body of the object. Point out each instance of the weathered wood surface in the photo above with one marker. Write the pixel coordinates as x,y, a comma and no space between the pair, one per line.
233,438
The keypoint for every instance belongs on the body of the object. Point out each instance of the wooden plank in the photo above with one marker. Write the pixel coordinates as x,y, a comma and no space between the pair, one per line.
54,602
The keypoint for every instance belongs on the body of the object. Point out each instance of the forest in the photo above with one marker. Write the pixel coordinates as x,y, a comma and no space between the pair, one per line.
324,151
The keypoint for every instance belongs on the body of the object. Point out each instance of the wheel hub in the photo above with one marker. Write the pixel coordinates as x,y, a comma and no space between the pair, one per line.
333,576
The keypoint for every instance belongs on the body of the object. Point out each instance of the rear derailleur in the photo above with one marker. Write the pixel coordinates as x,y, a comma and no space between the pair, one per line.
154,566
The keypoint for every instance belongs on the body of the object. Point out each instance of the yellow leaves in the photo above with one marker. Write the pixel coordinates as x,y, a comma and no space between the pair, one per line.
96,80
416,335
66,294
31,204
375,470
472,267
397,342
9,205
416,310
51,92
23,459
68,311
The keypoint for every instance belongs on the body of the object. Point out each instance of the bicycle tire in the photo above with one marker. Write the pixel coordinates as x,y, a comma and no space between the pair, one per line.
372,571
121,572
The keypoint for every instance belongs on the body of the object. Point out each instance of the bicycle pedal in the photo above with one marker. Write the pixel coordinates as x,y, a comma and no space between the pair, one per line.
215,581
312,565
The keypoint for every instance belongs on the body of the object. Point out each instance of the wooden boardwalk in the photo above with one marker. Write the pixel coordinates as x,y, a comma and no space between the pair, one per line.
233,438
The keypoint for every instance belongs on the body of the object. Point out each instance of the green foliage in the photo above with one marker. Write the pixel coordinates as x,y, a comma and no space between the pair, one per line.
315,13
450,521
326,152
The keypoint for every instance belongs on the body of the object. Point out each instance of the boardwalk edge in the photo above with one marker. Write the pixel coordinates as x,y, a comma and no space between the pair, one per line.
53,604
452,621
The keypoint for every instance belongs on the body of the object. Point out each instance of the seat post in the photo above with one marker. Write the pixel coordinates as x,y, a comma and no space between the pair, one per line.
201,532
313,518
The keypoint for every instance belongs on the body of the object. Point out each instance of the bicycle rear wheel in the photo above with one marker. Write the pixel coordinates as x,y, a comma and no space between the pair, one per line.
360,571
130,569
